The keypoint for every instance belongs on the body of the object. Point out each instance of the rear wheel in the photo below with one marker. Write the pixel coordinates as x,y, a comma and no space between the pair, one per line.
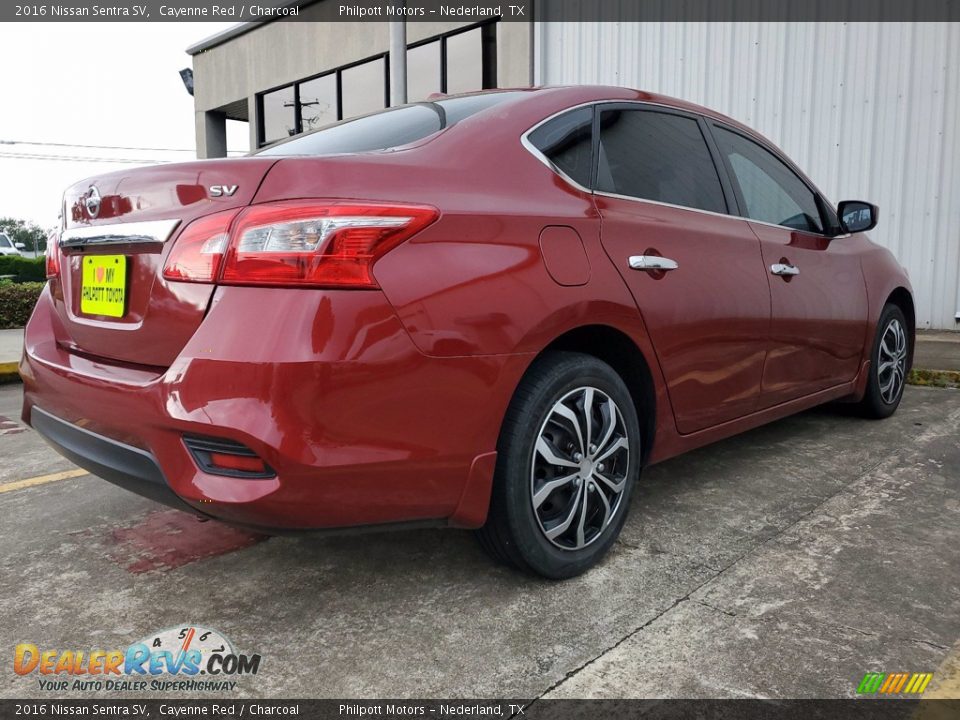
568,454
888,365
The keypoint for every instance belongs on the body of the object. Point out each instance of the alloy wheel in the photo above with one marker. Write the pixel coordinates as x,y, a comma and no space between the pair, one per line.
579,468
892,361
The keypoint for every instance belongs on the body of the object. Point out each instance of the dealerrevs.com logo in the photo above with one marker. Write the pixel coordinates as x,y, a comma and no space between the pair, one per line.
187,658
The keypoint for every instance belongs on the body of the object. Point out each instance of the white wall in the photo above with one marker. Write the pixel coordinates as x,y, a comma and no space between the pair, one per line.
869,110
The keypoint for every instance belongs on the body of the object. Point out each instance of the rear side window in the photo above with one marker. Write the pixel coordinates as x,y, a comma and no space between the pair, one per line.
772,191
566,142
658,156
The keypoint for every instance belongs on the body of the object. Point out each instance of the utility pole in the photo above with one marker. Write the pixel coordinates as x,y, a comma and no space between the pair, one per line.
398,57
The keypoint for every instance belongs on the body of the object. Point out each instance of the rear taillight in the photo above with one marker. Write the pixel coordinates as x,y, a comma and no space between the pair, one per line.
317,244
53,256
198,252
296,243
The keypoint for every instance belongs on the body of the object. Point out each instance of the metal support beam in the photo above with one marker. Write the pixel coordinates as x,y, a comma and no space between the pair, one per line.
398,59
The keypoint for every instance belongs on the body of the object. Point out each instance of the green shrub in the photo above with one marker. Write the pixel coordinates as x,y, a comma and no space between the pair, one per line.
16,302
23,269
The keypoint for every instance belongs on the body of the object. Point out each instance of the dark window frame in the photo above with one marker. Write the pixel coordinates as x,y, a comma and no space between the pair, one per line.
488,59
338,72
488,51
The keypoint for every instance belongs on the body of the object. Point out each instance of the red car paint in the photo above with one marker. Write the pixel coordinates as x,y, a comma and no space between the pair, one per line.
383,405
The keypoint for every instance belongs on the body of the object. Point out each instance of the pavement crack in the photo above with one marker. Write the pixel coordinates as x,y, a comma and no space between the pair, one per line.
571,673
716,609
780,532
676,603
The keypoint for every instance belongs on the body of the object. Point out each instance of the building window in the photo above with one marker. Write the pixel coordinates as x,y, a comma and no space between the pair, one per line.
424,77
277,119
459,61
318,102
464,62
363,88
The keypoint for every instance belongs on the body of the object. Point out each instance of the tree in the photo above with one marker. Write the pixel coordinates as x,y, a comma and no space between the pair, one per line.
23,231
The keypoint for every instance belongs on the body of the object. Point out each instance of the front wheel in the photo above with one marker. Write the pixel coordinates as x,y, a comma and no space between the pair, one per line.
568,455
888,365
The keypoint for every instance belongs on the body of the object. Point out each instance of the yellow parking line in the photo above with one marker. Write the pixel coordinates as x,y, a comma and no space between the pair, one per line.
41,480
7,368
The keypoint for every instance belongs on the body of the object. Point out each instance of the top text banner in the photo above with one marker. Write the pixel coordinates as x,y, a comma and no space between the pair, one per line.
514,11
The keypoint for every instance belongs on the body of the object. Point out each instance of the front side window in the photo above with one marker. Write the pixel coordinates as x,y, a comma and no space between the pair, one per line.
657,156
5,241
566,142
772,191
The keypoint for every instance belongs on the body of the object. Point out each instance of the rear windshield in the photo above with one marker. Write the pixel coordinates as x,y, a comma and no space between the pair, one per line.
389,128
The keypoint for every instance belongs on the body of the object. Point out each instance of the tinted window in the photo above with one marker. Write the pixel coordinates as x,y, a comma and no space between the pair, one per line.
390,128
657,156
771,190
565,141
4,241
278,117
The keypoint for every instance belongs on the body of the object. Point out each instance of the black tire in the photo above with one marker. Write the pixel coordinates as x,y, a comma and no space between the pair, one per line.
881,400
516,533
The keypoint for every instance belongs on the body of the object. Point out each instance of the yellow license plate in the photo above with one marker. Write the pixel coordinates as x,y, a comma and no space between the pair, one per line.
103,286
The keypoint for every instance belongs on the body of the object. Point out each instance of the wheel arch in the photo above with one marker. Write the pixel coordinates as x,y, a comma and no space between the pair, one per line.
903,299
619,351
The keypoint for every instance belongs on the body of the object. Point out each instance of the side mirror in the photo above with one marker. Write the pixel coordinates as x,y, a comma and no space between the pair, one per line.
857,216
20,246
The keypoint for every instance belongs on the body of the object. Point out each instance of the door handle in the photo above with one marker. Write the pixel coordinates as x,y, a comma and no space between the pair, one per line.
784,269
652,262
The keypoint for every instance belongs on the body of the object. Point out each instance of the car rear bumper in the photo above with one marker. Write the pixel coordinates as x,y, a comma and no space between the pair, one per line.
129,467
327,388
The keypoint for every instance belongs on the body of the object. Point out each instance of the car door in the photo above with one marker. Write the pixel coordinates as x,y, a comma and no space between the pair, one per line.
695,271
819,300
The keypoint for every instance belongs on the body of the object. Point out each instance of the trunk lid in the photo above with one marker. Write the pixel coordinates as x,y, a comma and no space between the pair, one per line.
127,222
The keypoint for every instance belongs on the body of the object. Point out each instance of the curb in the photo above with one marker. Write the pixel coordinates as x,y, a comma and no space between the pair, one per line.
8,372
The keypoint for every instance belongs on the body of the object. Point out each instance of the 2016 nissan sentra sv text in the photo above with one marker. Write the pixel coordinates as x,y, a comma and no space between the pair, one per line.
486,311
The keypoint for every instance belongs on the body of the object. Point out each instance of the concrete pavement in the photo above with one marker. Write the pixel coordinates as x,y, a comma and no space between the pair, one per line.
785,562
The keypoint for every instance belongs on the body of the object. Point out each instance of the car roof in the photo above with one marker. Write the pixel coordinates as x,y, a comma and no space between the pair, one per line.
571,95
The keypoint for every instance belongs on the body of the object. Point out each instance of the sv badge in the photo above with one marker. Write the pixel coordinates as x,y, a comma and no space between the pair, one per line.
223,190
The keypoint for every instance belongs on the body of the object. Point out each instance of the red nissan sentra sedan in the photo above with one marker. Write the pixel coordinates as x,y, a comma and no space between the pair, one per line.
486,311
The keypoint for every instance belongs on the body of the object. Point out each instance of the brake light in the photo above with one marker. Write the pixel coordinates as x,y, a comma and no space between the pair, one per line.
198,252
318,244
53,256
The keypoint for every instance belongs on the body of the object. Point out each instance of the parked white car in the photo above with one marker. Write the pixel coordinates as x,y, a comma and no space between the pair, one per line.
8,246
